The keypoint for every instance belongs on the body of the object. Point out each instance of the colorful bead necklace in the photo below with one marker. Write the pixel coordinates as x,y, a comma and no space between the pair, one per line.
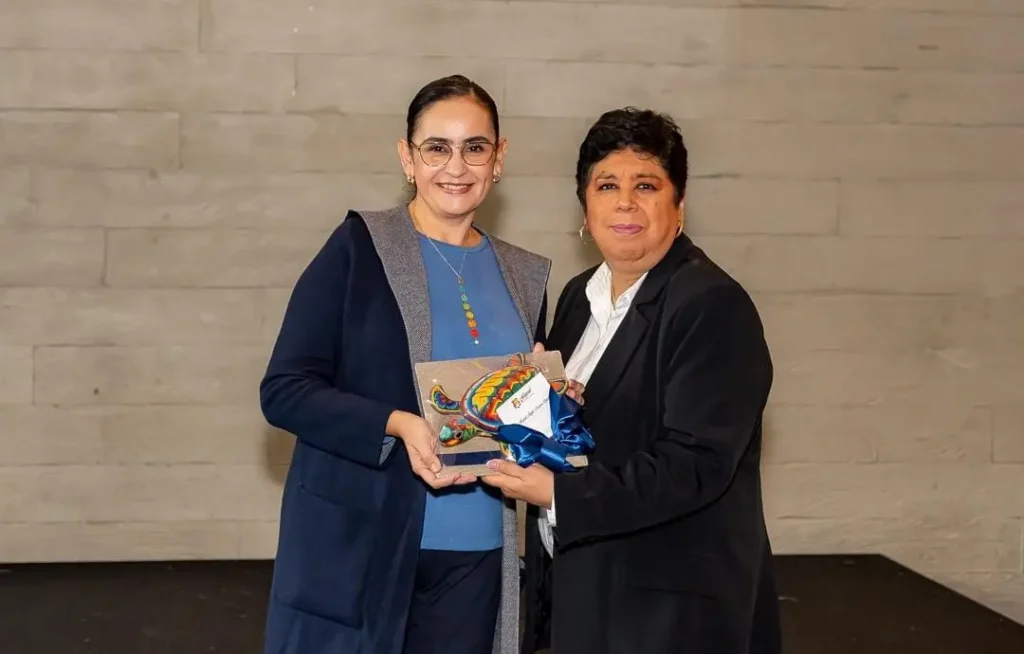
470,316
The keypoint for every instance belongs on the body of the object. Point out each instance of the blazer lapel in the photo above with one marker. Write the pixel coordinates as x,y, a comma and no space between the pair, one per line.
613,362
568,328
398,247
633,330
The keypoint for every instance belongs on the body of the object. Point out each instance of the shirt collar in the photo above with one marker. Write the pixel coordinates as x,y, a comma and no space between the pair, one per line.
599,291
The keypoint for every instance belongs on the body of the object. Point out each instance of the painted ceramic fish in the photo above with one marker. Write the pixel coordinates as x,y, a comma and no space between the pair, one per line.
476,413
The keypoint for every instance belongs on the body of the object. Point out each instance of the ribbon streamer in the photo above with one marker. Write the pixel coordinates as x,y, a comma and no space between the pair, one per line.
569,437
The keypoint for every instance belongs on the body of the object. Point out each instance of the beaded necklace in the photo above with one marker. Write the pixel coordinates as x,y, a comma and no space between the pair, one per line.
471,322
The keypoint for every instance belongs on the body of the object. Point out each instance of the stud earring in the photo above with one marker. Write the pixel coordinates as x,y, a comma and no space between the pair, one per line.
496,179
409,179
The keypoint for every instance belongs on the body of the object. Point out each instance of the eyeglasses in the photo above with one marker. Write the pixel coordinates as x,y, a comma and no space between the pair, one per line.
439,153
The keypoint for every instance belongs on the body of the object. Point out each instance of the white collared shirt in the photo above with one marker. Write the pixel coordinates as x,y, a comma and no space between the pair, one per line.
605,319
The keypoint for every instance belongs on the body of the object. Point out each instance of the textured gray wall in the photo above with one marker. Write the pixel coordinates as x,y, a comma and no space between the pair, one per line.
168,166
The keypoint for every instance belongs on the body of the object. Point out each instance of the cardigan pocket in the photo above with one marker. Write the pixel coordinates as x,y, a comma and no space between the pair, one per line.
340,481
322,564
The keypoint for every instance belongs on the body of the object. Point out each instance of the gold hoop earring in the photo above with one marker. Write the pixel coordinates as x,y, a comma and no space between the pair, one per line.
582,230
679,230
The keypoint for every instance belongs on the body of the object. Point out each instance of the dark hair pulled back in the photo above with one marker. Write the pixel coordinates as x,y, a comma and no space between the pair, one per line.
446,88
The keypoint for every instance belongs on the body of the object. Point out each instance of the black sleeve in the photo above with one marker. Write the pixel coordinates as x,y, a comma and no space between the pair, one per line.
541,332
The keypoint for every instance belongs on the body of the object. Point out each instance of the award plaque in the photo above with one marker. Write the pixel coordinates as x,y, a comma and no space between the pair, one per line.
514,408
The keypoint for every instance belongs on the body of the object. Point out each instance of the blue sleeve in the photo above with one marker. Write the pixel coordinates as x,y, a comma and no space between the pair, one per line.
298,392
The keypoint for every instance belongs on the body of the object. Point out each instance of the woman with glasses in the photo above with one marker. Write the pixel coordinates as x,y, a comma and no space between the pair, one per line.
379,553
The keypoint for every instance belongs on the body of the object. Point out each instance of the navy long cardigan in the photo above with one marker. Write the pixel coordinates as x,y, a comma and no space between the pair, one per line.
352,510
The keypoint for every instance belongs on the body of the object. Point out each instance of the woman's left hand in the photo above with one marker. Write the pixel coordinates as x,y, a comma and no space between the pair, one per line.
576,388
576,391
534,484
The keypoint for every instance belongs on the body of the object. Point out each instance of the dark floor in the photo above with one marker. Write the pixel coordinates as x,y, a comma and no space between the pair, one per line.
831,605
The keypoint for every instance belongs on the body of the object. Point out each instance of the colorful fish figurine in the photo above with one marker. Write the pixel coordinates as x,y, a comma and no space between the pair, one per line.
476,413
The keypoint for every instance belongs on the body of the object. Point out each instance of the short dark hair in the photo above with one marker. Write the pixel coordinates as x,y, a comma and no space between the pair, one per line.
641,130
445,88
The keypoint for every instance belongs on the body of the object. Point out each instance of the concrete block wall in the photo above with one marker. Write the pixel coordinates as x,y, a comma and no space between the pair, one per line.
167,167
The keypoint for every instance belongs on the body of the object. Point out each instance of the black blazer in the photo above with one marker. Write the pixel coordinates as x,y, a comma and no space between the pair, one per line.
661,545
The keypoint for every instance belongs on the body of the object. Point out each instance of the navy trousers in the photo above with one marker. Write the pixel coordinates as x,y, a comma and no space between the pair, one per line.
455,603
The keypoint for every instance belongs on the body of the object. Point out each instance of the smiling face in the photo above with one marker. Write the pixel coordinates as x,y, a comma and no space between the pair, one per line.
631,211
459,130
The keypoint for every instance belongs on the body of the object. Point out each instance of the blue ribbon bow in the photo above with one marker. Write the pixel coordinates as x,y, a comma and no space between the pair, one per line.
569,437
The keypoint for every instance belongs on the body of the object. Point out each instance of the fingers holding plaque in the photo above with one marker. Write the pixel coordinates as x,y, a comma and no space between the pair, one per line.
515,408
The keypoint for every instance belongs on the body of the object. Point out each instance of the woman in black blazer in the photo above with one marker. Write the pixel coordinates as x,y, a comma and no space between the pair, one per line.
659,546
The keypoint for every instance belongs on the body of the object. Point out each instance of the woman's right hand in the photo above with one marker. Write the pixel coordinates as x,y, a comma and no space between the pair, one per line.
421,443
